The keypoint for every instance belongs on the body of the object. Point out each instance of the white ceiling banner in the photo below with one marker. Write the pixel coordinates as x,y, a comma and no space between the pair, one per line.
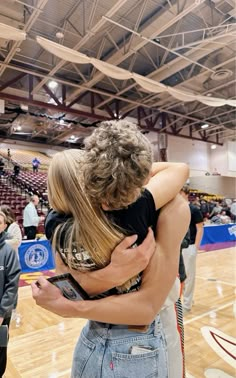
231,102
181,95
8,32
118,73
149,84
70,55
110,70
215,101
63,52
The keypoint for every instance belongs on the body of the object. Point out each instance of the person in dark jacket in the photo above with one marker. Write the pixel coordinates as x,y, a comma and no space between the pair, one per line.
9,278
185,244
1,167
16,169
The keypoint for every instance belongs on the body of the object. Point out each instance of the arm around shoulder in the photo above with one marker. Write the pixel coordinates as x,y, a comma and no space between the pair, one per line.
166,182
158,279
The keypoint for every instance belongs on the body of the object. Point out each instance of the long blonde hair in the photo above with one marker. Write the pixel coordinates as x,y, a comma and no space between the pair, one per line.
88,227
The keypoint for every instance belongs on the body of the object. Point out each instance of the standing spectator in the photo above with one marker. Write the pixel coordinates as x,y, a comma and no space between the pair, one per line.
204,209
14,235
190,253
31,218
182,272
211,205
233,211
35,164
9,154
1,167
196,202
16,169
216,210
9,278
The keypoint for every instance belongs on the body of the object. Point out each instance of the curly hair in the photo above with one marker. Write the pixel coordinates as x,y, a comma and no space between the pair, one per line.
118,162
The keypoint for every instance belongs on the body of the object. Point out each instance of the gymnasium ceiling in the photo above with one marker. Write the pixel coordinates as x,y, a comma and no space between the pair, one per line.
184,44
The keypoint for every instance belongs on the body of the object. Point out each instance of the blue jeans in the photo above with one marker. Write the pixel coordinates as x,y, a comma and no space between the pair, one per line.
105,351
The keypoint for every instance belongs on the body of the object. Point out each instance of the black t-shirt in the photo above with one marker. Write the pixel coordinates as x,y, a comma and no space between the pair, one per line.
135,219
196,217
204,208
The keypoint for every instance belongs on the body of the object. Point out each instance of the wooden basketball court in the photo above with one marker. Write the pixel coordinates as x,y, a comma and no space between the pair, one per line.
43,344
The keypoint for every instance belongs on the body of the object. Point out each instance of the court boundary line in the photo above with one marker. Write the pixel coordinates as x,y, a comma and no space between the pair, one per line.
218,281
208,312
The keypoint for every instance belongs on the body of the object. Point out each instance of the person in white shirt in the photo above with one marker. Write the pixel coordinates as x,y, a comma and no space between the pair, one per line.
31,218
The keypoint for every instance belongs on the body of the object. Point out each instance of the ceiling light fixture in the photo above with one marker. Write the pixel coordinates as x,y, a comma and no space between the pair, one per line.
51,101
213,146
24,107
205,126
59,35
221,74
52,84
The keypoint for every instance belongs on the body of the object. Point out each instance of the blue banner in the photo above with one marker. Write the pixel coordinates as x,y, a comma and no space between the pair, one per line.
219,234
35,256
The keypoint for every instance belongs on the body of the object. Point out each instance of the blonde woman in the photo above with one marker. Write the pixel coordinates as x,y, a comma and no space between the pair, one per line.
14,235
88,230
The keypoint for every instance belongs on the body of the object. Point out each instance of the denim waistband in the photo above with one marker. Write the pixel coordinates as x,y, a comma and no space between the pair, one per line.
114,331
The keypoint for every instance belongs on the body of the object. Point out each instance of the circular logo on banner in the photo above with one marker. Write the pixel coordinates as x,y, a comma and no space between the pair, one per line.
36,256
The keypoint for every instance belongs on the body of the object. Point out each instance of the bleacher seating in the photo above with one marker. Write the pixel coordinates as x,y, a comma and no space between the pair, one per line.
31,182
11,196
24,158
15,190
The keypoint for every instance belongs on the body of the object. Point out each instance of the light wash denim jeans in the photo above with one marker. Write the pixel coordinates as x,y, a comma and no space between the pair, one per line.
104,351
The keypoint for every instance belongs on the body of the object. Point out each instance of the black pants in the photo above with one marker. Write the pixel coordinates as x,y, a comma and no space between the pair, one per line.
30,232
3,351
